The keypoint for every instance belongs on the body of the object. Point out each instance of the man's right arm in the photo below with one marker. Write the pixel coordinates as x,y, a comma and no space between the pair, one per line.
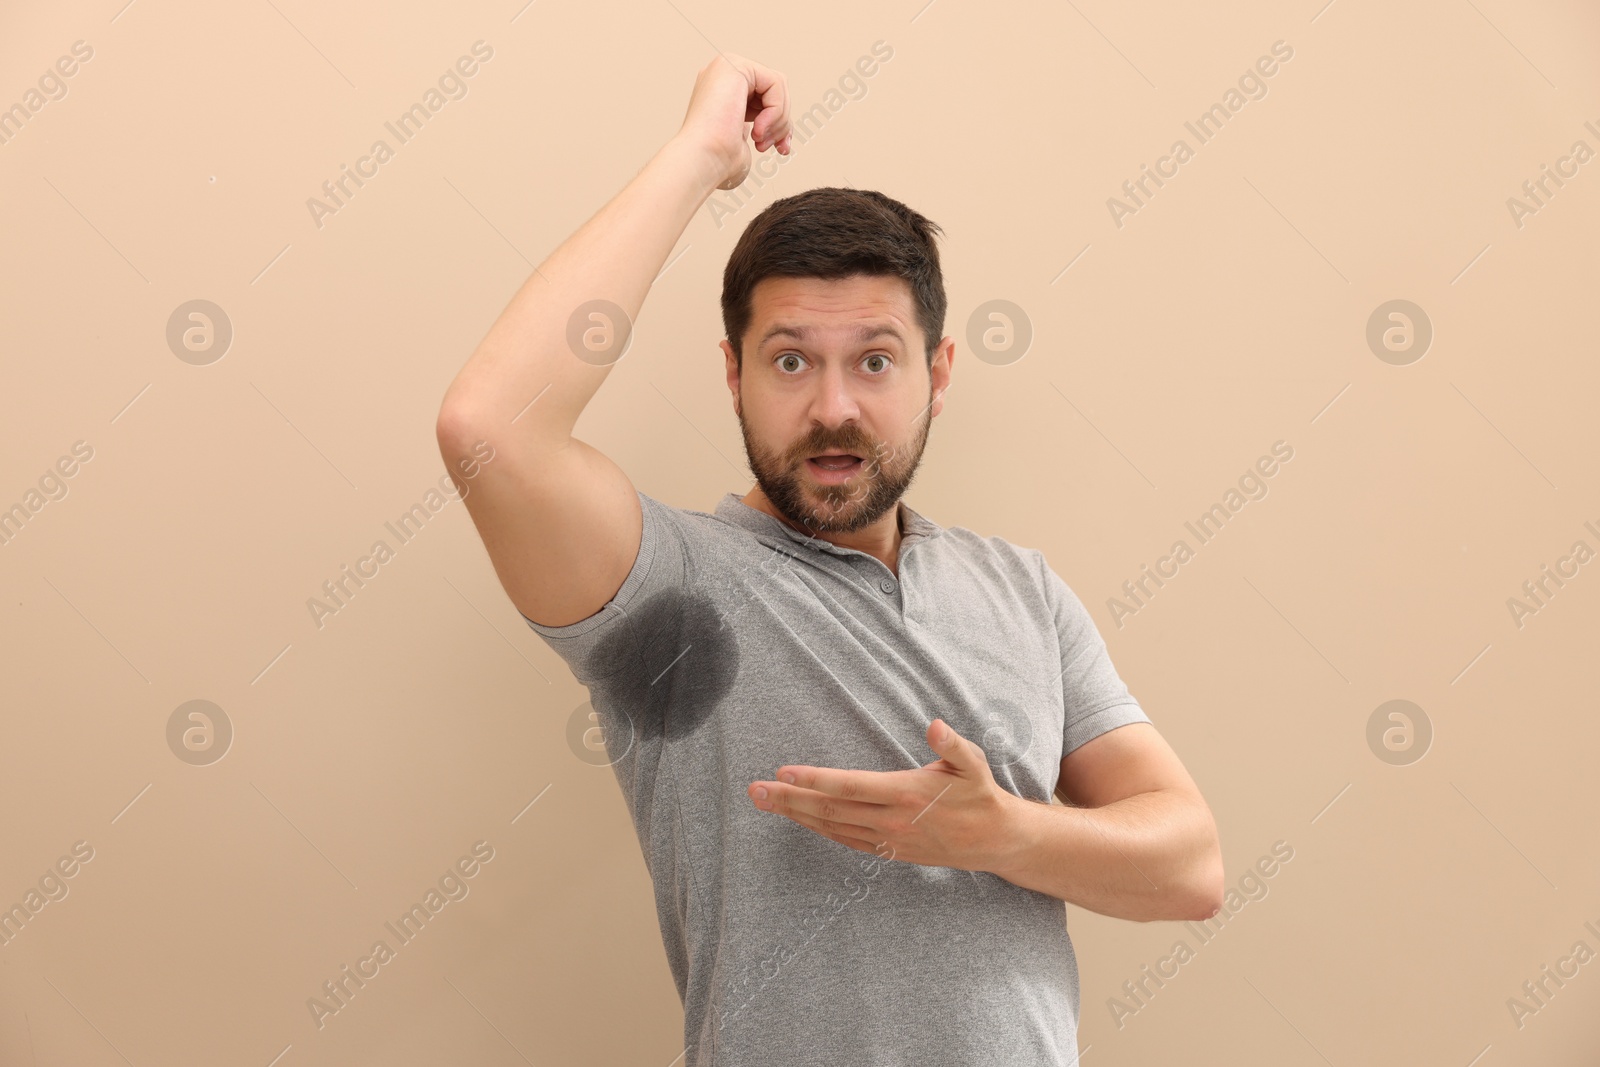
561,522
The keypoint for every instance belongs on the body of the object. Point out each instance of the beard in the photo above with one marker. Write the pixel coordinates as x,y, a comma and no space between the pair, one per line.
882,478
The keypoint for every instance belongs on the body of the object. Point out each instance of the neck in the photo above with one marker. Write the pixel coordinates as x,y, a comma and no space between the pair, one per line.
880,539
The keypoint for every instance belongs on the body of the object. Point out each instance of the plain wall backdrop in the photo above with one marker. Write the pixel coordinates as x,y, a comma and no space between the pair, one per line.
1179,332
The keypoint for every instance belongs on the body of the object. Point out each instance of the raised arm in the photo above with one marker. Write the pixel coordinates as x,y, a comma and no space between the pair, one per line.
561,522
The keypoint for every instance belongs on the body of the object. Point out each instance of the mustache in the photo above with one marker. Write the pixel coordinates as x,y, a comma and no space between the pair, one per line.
850,445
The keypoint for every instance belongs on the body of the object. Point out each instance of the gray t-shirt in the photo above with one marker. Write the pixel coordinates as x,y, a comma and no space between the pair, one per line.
737,645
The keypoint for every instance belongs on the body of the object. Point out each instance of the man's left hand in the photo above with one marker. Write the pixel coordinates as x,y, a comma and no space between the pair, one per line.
948,813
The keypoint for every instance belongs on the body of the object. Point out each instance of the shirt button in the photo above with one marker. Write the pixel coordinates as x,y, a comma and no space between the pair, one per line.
887,585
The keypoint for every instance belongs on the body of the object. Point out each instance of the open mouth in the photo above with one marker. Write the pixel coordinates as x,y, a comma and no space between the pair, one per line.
834,466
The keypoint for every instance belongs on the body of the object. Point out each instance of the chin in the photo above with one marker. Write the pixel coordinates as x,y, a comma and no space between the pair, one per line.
845,518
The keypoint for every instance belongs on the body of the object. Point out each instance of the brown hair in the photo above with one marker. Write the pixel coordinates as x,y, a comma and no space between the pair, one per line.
834,233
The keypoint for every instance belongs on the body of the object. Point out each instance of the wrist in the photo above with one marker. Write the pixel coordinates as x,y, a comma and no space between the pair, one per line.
685,150
1018,832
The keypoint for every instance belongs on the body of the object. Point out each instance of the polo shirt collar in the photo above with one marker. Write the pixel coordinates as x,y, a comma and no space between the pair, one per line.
732,508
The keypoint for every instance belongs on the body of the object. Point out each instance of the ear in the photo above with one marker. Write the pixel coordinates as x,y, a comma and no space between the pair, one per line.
732,369
939,372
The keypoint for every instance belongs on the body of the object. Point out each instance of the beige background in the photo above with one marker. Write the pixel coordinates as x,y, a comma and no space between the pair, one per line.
1228,313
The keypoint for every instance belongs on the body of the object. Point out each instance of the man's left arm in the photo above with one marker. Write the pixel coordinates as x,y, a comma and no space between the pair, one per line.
1138,841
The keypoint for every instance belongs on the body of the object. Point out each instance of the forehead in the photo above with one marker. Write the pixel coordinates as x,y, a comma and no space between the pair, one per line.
834,308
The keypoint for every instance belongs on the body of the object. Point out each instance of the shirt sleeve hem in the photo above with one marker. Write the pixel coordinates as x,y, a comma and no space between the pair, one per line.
1101,721
649,535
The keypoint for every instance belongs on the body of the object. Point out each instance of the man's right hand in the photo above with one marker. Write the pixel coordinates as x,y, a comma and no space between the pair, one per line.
728,92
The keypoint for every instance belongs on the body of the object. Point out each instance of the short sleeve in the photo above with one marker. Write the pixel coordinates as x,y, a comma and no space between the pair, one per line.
660,572
1095,697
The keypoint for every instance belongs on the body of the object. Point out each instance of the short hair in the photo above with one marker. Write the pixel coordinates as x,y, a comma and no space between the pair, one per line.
831,233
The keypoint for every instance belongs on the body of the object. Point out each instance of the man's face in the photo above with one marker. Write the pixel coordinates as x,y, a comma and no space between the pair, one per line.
835,369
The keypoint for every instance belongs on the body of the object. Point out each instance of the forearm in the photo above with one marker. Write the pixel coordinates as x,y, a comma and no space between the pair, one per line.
615,256
1149,856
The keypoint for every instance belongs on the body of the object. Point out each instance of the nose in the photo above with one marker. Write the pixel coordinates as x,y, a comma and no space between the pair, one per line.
834,403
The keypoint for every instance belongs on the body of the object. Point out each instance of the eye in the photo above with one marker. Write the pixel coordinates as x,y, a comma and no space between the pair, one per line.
787,356
887,363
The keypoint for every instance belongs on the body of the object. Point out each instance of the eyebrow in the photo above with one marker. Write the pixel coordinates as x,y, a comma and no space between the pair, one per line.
861,334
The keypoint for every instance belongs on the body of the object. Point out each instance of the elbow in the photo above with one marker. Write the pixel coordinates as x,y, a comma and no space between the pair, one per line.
467,409
1198,900
1205,901
463,445
1197,896
1200,883
463,434
1206,889
463,429
452,424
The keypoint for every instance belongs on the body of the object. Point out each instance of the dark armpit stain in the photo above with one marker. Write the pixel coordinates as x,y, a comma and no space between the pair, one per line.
679,662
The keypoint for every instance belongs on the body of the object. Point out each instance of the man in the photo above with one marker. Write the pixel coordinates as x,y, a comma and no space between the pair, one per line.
837,724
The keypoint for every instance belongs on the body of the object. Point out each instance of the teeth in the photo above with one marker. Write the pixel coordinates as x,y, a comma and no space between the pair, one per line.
835,465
